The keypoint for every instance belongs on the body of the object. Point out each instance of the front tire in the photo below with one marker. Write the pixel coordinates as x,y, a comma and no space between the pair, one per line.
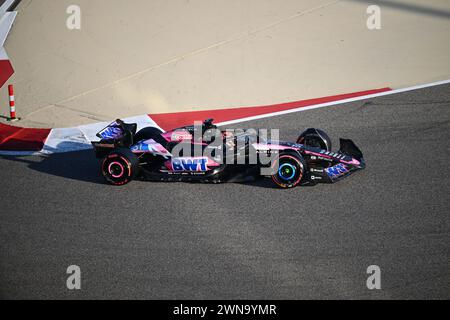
289,170
120,167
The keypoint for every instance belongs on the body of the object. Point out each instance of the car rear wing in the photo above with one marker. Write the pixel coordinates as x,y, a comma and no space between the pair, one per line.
112,131
117,130
116,134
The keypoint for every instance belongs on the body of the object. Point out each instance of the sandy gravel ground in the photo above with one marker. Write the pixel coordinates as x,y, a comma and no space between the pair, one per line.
137,57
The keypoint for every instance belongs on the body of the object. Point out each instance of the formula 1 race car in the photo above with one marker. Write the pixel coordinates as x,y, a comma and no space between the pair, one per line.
203,152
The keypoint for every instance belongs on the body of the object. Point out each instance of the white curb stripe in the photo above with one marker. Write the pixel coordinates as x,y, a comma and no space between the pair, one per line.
61,140
3,55
328,104
5,6
79,138
6,22
65,140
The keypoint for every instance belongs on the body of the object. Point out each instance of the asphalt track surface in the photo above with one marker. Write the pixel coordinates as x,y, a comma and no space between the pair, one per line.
248,241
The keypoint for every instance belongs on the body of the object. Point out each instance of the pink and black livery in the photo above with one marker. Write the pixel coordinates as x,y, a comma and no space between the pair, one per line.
151,154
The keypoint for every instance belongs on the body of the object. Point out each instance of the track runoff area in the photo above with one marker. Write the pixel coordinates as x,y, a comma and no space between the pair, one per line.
244,240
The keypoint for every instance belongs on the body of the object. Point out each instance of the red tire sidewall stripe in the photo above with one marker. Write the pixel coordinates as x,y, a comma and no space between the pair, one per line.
126,161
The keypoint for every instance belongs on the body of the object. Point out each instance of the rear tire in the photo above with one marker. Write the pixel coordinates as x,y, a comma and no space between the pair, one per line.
120,167
289,170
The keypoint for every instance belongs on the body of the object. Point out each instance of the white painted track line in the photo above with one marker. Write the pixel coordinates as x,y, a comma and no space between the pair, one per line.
328,104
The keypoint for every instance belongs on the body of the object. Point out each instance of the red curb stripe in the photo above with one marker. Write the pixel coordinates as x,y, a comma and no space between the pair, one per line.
22,139
6,71
169,121
15,138
29,139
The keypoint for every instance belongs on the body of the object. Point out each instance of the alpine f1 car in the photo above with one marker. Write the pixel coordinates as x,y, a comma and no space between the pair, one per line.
154,155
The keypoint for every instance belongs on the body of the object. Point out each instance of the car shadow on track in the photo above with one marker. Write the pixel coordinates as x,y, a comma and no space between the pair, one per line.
83,166
78,165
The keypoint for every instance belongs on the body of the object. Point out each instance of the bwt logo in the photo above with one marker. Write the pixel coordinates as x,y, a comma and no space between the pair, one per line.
189,164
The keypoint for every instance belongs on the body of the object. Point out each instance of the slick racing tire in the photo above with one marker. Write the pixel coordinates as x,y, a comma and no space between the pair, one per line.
120,167
316,138
288,170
